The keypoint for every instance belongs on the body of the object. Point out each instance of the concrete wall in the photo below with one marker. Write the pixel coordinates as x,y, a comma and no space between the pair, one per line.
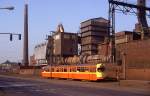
35,72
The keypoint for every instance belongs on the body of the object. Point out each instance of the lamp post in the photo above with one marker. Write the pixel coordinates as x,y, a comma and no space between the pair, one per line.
11,34
10,8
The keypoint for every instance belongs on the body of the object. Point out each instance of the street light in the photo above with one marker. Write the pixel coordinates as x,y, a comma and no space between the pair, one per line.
11,34
8,8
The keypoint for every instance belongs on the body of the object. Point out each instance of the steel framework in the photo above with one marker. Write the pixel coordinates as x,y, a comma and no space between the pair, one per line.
126,8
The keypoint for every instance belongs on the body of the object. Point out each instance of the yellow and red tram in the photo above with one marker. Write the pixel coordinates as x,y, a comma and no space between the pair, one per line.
81,72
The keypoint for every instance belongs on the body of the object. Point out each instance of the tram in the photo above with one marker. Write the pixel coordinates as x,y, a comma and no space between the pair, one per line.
92,72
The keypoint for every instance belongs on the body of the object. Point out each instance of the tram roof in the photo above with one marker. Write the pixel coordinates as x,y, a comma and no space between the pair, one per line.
73,65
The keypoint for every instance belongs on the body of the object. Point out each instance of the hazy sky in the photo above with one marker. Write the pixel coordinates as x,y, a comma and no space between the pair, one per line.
44,16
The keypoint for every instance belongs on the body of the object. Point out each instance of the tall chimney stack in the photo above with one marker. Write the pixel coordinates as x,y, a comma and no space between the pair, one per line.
25,48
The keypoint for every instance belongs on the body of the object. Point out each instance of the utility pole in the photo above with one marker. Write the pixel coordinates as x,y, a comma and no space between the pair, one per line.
111,19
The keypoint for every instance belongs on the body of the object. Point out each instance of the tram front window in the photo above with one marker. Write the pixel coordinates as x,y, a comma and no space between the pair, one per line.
101,69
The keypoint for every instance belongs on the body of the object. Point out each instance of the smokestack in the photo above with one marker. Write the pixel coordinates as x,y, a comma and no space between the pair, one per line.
25,50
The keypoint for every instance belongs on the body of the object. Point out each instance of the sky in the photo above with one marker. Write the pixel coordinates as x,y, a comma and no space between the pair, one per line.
44,16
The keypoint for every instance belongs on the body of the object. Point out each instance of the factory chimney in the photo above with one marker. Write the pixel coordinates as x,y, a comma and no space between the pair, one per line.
25,47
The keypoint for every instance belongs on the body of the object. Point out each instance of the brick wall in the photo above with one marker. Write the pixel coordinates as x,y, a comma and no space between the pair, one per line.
136,55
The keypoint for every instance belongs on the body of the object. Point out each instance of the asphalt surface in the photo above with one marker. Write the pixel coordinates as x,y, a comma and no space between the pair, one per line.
14,86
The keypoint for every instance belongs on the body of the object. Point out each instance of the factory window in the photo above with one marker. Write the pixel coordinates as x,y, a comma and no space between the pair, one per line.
119,62
71,49
66,36
73,37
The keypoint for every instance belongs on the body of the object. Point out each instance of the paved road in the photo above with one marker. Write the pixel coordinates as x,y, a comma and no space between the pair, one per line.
12,86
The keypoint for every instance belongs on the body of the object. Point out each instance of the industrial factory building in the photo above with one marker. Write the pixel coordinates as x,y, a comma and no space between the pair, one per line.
125,54
39,55
132,53
61,45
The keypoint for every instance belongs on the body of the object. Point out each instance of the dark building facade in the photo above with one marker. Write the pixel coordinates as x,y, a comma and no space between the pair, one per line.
65,44
93,32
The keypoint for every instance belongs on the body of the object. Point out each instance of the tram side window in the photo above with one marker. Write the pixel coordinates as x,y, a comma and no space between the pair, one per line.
82,69
70,69
52,70
61,69
73,69
86,69
65,70
57,70
47,70
78,69
92,69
